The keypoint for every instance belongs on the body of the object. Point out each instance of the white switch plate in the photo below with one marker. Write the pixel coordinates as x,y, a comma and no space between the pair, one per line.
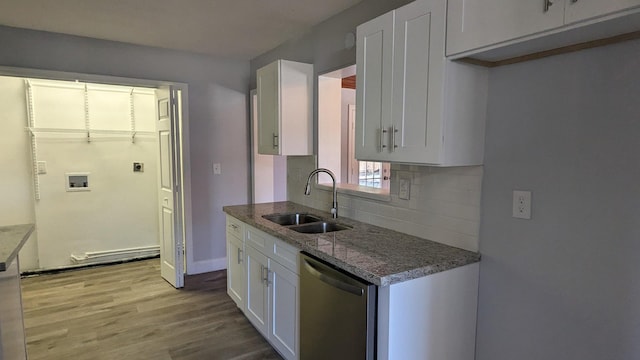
216,169
522,204
42,167
404,191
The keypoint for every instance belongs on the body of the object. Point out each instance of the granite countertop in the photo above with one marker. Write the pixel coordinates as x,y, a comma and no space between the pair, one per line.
378,255
12,238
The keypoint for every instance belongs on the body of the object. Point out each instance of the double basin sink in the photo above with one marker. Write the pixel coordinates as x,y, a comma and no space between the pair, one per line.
305,223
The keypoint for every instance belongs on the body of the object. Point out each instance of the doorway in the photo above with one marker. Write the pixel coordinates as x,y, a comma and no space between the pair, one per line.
336,136
116,180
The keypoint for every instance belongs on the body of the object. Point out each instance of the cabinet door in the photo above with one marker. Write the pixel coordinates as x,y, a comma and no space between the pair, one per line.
284,309
12,341
473,24
373,89
236,283
416,132
268,88
257,291
586,9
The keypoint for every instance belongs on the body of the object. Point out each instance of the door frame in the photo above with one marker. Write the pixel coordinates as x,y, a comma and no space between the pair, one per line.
184,176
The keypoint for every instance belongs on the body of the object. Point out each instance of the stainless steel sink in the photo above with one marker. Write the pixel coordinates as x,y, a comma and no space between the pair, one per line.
319,227
292,219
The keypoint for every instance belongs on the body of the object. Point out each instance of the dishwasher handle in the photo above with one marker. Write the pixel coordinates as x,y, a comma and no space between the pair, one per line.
328,279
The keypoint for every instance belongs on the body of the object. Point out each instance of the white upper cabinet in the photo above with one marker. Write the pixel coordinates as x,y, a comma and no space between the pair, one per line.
413,105
373,87
578,10
518,27
285,105
477,23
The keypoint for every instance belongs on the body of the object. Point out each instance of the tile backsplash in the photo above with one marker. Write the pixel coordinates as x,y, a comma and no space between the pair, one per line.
444,203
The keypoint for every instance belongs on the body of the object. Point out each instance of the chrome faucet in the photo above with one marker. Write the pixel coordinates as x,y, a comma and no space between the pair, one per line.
307,190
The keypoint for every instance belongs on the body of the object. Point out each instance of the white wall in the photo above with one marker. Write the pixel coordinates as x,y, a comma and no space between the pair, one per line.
16,187
329,127
218,121
120,211
565,284
444,205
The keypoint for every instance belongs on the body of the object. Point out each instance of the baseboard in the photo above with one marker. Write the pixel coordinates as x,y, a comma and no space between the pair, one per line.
65,268
98,257
203,266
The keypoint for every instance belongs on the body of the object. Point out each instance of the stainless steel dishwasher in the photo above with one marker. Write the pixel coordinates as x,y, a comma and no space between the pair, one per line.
337,313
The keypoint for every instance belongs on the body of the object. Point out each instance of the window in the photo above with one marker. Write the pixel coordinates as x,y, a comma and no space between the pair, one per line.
336,135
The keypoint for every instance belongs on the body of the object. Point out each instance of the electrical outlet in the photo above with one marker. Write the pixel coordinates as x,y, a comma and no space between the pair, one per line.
216,169
522,204
404,189
42,167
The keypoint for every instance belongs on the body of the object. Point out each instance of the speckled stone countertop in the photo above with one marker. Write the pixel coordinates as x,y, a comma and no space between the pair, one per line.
11,240
378,255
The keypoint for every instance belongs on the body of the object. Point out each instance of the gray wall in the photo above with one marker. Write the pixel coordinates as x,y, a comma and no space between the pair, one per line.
565,284
217,113
324,44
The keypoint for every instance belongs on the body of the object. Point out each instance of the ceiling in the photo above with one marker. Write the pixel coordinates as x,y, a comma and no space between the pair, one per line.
238,29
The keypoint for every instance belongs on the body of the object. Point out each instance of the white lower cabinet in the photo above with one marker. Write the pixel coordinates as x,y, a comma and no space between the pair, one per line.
236,283
283,310
269,287
257,290
427,318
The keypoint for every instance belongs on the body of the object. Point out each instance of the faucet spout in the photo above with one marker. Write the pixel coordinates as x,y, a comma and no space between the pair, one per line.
307,190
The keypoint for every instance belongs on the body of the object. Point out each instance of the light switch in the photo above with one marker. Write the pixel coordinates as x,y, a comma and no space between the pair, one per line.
216,169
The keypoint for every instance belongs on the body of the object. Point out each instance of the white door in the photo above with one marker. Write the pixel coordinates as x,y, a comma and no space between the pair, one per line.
472,24
283,299
257,292
582,10
268,82
416,134
374,53
236,283
169,194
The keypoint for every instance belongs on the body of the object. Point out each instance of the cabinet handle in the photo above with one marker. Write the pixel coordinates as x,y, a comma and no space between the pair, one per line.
394,131
234,226
275,140
383,131
574,1
239,256
547,5
264,273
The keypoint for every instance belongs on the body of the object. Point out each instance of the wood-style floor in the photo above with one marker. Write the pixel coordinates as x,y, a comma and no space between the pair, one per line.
127,311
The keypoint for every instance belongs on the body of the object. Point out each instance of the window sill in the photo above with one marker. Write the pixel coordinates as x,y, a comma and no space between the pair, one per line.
358,191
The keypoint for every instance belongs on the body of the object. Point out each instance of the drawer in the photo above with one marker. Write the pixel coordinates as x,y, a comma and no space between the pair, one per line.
285,254
274,248
258,240
235,227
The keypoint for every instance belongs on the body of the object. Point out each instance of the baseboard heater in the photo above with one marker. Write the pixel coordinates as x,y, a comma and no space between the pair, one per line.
98,257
